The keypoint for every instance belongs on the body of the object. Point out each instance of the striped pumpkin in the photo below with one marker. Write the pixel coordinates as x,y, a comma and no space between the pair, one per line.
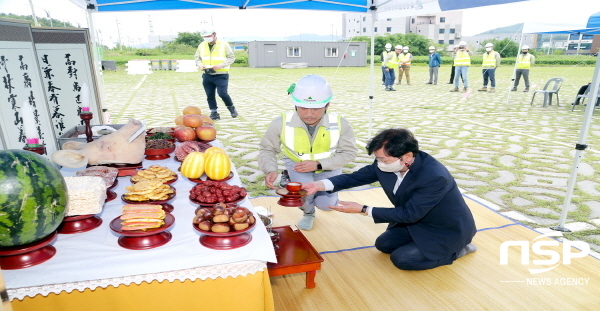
212,150
193,165
217,166
33,197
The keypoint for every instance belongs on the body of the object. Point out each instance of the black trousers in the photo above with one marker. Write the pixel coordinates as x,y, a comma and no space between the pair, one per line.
404,253
216,84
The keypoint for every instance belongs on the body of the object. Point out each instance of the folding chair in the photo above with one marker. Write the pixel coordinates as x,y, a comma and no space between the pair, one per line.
556,84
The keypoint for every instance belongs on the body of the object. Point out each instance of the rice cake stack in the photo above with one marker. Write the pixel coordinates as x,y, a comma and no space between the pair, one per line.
87,195
142,217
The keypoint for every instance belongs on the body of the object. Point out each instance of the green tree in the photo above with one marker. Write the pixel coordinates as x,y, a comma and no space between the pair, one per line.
192,39
45,22
418,45
506,47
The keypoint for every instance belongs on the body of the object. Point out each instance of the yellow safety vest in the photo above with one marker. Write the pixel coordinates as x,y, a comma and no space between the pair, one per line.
462,59
405,58
524,62
296,141
215,57
393,61
489,59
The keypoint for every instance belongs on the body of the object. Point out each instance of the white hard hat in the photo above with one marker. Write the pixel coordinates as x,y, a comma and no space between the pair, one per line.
462,43
432,47
398,47
489,44
388,46
525,47
312,91
405,47
208,33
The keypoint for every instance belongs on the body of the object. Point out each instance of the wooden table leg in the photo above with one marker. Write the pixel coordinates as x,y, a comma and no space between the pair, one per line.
310,279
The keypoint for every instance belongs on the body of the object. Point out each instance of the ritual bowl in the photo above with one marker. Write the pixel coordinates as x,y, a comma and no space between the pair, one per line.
293,187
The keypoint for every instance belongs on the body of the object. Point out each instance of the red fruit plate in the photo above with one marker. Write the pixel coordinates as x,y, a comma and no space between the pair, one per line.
140,240
158,154
25,256
225,240
79,223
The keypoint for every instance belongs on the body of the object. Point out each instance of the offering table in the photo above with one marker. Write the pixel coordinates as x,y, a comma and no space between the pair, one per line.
90,271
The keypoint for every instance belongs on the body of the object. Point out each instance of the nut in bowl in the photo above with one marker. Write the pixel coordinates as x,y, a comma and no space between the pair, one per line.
158,149
222,220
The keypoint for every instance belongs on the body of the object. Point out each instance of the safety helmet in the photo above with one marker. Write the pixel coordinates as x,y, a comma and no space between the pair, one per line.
388,45
462,43
398,47
489,45
208,33
525,47
432,47
405,48
312,91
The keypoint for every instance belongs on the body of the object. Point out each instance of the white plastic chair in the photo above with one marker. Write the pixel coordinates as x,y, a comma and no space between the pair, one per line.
556,84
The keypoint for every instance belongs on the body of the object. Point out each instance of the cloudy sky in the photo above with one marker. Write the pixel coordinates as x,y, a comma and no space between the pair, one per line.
134,27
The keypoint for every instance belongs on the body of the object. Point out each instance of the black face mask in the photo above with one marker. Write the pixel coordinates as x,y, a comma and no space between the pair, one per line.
524,52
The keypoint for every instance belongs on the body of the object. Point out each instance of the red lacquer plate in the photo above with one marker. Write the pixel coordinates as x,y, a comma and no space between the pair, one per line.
79,223
111,195
226,240
140,240
25,256
204,204
158,154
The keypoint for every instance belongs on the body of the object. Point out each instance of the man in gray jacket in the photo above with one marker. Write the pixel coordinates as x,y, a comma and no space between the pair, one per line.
315,144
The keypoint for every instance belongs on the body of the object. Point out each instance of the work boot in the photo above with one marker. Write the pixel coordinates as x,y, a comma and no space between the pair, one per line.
215,115
514,89
234,113
285,179
483,89
429,83
391,89
465,89
450,83
407,82
306,223
492,90
454,89
526,89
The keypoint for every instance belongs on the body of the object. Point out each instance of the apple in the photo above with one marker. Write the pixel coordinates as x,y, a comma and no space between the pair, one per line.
207,119
179,120
206,132
185,134
191,110
192,120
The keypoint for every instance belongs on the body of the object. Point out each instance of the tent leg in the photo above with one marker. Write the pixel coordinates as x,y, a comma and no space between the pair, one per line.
372,87
580,146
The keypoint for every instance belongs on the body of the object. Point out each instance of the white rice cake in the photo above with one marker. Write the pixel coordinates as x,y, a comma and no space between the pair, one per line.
86,195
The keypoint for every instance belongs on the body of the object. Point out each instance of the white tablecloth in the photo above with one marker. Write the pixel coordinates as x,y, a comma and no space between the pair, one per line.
94,258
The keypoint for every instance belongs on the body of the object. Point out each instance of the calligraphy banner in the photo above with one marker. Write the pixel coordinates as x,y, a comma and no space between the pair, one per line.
20,82
66,64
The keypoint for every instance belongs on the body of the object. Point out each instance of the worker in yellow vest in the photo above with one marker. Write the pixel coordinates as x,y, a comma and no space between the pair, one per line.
524,62
214,57
404,60
462,61
388,49
316,144
491,61
391,64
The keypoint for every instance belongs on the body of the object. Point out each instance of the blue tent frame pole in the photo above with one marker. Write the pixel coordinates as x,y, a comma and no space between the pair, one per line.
372,88
580,147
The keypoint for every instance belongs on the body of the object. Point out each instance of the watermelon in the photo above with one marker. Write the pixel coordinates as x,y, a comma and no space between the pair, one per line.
33,197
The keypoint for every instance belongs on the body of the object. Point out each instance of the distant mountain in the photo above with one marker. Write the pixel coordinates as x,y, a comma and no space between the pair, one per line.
300,37
516,28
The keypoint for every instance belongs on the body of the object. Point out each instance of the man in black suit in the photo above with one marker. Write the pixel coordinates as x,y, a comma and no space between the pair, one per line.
430,225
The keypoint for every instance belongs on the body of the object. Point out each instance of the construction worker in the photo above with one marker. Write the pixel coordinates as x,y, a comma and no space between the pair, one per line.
214,58
388,49
491,61
524,62
462,61
434,64
316,144
404,60
391,62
